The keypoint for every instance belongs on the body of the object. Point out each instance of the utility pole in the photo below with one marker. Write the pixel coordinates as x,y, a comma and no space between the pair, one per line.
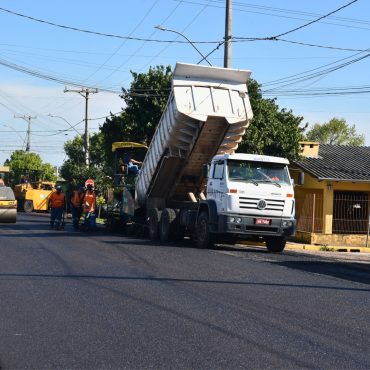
85,92
228,28
27,119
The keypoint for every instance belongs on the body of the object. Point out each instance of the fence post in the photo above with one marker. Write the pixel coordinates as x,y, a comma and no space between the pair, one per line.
368,225
313,213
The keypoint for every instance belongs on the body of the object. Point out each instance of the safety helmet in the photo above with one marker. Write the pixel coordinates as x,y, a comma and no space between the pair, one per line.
58,187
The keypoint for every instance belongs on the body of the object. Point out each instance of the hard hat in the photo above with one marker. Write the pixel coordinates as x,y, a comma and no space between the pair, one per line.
58,187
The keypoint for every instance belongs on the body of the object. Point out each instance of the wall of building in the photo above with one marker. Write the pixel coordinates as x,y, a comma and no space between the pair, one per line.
320,196
339,240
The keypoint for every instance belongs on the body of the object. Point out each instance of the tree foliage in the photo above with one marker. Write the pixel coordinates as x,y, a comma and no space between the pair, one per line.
335,132
145,102
273,131
74,169
29,164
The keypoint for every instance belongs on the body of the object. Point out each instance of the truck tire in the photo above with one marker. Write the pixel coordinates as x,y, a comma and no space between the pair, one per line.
204,238
154,217
167,225
28,206
275,244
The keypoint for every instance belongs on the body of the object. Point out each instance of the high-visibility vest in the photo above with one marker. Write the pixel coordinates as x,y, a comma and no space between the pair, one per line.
57,200
89,201
76,198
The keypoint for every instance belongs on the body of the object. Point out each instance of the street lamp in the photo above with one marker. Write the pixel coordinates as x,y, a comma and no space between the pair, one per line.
71,126
159,27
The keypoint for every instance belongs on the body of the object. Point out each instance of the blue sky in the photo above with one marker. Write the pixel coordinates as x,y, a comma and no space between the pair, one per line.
37,59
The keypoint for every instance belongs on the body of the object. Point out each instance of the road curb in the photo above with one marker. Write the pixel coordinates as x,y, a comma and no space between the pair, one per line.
327,248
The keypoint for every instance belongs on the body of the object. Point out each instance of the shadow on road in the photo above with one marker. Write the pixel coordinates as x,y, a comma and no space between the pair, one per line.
169,279
352,271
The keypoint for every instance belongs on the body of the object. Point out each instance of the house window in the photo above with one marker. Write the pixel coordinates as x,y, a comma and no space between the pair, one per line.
350,212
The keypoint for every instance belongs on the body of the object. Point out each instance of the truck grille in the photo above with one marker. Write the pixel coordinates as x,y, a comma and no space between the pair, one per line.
271,204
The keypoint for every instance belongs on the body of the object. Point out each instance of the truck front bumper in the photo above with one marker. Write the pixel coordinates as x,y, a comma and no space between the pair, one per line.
252,225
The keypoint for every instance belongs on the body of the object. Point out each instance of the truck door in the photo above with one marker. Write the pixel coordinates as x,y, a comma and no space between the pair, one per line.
216,184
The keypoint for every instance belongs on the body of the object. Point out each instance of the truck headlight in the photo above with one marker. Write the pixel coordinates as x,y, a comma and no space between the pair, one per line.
236,220
287,223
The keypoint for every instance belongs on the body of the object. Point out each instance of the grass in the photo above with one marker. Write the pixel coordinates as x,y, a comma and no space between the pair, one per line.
325,248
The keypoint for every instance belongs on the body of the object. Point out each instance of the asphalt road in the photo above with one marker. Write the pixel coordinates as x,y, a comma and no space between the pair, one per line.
70,300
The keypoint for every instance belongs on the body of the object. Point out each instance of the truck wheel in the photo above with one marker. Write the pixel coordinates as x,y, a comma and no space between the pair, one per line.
154,217
275,244
28,206
204,238
167,225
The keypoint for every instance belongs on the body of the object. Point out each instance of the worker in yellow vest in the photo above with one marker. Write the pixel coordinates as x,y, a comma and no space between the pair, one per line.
57,204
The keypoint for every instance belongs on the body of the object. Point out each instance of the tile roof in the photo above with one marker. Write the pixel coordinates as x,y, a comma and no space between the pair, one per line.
339,162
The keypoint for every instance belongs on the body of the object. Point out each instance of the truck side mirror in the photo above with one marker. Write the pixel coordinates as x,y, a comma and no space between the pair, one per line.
301,178
205,170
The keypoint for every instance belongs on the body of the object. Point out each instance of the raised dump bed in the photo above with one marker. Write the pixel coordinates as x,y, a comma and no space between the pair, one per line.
207,113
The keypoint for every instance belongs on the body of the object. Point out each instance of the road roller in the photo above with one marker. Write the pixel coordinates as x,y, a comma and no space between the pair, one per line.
8,205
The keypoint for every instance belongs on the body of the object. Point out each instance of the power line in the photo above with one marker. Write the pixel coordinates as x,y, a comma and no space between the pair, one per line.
85,93
239,7
176,37
28,120
48,77
319,46
316,20
102,33
140,47
296,77
120,47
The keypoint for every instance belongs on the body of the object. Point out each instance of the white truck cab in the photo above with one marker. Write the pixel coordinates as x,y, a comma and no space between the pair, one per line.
252,195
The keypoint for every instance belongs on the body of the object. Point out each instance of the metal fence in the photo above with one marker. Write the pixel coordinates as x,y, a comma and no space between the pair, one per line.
350,212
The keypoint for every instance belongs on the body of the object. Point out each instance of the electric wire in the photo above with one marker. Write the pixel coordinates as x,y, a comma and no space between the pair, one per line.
122,44
102,33
241,7
315,20
296,76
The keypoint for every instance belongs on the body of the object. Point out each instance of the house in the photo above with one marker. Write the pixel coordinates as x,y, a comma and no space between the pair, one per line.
332,206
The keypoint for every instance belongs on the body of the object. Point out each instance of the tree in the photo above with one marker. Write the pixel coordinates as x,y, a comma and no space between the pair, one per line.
273,131
29,164
74,169
335,132
145,102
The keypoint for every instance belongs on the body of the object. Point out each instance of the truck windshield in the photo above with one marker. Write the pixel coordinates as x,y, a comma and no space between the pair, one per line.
258,172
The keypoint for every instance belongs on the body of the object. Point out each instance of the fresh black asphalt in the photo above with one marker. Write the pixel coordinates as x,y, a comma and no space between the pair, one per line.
71,300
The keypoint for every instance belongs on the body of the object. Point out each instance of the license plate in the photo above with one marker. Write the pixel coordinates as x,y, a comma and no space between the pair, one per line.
262,221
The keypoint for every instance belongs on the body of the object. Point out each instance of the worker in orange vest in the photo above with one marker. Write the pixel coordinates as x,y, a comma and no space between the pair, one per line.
57,204
76,206
88,206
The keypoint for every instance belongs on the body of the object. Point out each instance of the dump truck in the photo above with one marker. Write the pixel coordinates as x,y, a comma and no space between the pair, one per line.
192,182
